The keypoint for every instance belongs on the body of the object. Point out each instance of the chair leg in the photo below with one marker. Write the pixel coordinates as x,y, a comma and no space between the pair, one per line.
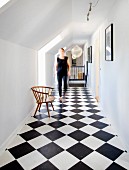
52,105
36,109
48,109
39,107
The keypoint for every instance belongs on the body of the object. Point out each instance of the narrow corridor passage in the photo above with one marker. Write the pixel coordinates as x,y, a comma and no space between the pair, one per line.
76,137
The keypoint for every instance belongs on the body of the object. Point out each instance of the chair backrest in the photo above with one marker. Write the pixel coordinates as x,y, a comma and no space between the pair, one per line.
41,93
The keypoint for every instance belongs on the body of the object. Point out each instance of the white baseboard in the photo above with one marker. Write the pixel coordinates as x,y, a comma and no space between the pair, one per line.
114,128
15,132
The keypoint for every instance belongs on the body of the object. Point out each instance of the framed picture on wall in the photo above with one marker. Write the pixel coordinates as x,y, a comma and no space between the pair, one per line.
90,54
109,43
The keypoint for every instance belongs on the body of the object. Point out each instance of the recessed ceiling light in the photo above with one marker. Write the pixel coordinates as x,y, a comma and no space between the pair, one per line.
3,2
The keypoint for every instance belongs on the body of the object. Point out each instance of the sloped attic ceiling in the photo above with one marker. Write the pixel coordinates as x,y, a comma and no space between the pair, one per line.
33,23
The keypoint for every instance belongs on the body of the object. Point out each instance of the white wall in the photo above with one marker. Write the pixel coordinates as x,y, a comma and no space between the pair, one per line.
79,61
93,72
18,73
114,79
41,68
50,69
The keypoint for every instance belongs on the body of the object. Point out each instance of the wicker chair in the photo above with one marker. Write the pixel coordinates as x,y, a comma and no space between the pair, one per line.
42,95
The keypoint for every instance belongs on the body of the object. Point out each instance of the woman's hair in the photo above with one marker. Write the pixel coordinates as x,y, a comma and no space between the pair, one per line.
62,49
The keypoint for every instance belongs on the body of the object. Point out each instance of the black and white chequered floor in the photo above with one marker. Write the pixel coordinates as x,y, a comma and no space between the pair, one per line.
77,136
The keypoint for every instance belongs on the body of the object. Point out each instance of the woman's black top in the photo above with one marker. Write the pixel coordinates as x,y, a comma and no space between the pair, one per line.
62,66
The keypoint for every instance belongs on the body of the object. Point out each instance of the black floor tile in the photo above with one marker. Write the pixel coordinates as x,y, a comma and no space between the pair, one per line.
103,135
12,166
90,101
46,166
93,111
96,117
57,124
80,166
50,150
60,110
115,166
30,135
109,151
53,135
75,97
21,150
89,97
76,105
99,125
40,116
77,116
61,105
79,150
59,116
78,135
76,110
36,124
78,124
91,105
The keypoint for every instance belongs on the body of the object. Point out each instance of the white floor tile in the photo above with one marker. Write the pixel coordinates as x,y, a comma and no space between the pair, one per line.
94,100
25,128
92,142
69,103
97,161
104,120
85,113
87,120
56,107
44,129
64,160
48,120
97,108
81,97
67,129
117,143
123,160
82,100
55,103
68,113
31,119
68,108
89,129
52,113
83,108
83,103
70,100
109,129
67,120
16,141
31,160
65,142
6,158
39,142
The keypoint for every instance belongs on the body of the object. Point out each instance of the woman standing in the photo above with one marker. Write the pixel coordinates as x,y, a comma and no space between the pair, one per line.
63,71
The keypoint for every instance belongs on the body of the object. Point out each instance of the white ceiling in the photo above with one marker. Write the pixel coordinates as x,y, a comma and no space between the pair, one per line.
34,23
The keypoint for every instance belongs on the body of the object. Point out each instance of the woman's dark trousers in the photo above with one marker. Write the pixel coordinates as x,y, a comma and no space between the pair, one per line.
61,77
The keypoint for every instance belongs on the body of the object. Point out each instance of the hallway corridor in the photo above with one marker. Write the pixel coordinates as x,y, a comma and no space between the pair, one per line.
76,137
